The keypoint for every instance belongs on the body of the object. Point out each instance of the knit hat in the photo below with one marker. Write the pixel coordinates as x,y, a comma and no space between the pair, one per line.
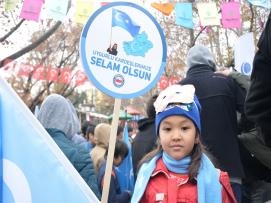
200,55
177,100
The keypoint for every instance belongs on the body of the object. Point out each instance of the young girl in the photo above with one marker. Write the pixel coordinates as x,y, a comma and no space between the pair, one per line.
179,170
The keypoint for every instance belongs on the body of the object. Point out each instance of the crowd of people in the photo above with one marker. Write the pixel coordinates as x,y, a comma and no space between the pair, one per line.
187,149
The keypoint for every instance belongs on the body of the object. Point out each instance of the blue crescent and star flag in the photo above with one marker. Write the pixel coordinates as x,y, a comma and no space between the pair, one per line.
32,167
125,173
123,20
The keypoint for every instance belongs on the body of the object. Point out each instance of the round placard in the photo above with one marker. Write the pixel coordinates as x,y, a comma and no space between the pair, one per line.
123,50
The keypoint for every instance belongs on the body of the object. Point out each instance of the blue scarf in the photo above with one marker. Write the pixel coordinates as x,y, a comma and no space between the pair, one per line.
208,185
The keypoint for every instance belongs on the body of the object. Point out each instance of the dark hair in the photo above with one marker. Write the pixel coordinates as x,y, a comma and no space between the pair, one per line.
121,149
150,110
90,129
196,154
119,130
85,126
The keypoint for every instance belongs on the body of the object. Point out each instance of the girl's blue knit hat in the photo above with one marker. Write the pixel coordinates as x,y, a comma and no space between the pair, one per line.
177,100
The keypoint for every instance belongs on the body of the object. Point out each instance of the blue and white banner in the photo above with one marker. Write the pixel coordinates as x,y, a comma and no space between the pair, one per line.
32,167
244,51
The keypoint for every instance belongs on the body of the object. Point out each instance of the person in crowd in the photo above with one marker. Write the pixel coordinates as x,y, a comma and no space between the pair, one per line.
115,194
221,98
84,128
58,118
145,140
258,104
257,180
90,138
113,50
120,132
179,168
77,138
101,136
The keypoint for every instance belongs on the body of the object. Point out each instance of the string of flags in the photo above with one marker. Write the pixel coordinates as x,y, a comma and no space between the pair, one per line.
64,75
209,14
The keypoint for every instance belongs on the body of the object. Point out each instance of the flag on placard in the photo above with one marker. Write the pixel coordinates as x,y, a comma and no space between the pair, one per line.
125,173
231,17
262,3
32,167
31,9
184,15
10,4
244,51
57,10
83,9
123,20
165,8
208,14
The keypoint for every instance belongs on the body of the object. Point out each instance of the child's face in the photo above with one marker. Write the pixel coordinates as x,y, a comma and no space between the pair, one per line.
177,136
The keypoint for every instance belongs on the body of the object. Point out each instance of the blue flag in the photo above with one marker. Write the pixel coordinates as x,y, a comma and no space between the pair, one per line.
121,19
184,15
125,173
262,3
32,167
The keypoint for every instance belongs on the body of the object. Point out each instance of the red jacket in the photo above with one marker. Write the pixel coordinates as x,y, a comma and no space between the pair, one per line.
167,187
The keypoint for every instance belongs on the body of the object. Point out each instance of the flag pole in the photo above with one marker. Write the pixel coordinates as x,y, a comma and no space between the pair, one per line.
111,150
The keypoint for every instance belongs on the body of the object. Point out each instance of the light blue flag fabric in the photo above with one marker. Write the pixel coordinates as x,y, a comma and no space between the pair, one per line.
57,10
184,15
262,3
125,173
123,20
33,168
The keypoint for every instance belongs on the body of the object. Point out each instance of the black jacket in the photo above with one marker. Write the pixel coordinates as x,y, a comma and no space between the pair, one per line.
258,101
220,98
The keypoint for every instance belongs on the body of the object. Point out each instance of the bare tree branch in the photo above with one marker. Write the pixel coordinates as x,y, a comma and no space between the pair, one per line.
12,31
31,46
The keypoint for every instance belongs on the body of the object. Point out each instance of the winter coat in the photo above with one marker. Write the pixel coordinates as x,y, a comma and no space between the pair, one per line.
58,117
144,141
158,184
180,189
79,158
258,101
220,97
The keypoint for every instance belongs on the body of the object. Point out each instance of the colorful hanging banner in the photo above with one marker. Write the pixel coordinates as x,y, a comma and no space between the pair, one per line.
83,9
165,8
184,15
31,9
57,10
10,4
208,14
262,3
231,17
